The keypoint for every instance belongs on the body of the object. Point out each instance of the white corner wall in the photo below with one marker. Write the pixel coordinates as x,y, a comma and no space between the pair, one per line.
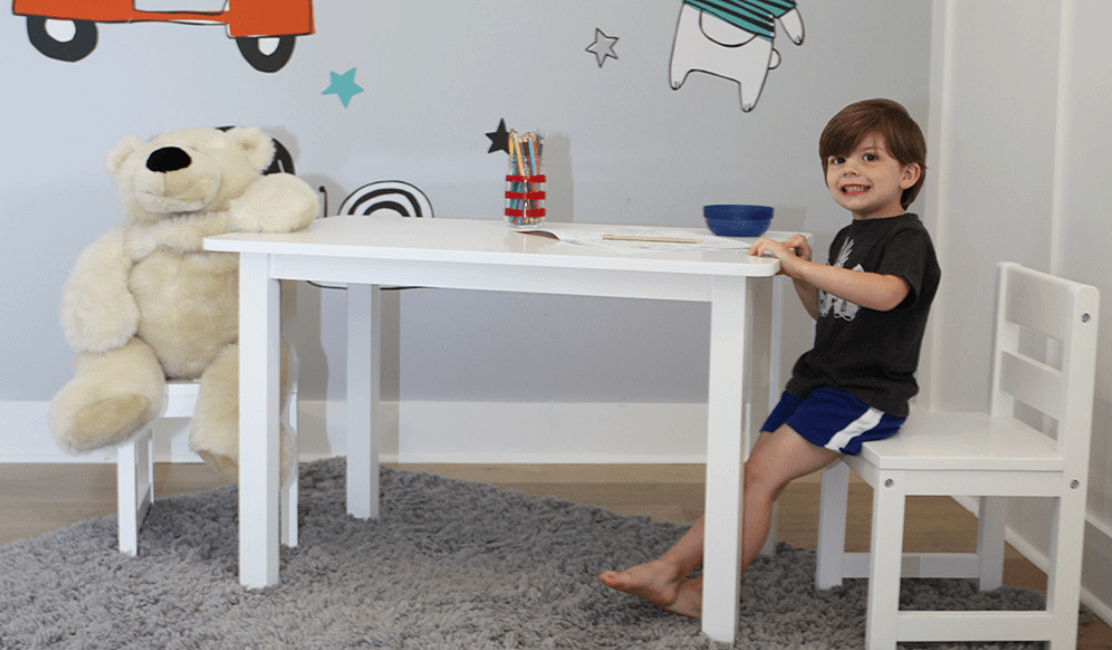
1020,99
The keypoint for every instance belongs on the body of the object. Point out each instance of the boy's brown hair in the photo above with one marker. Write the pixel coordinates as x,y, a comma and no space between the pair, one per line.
904,138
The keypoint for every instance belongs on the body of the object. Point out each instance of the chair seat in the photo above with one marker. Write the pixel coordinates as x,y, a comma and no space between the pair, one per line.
940,441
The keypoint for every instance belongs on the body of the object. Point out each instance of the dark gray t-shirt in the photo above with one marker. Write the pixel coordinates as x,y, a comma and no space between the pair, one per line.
867,353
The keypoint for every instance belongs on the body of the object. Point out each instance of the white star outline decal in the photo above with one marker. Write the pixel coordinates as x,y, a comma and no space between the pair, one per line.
602,47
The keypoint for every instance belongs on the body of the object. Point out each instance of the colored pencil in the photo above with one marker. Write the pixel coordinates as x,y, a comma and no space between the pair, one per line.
662,240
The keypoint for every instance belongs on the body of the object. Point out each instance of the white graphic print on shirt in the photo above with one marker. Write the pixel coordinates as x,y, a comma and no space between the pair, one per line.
842,308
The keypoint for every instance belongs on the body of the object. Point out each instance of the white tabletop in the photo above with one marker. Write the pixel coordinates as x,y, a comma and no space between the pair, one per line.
492,241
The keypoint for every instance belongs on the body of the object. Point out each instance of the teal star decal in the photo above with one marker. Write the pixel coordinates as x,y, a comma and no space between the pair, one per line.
344,86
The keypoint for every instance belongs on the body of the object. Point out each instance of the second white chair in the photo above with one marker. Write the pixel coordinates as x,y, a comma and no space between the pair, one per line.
1043,357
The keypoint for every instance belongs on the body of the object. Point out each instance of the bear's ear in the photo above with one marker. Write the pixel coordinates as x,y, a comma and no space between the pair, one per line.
257,145
119,153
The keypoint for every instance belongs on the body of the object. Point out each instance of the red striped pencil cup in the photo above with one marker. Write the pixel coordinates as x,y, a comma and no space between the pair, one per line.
525,181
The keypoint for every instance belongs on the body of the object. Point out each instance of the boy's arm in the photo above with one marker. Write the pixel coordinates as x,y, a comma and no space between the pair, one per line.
869,290
808,295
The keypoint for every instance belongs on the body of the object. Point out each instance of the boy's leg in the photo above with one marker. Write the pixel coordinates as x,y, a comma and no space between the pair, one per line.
776,460
664,581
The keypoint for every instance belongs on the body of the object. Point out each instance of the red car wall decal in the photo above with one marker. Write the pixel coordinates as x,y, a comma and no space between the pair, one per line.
247,21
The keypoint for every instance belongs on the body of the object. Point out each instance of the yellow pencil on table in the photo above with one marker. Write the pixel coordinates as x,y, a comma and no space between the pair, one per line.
661,240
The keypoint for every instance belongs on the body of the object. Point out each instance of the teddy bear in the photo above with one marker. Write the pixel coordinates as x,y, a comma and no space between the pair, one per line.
145,302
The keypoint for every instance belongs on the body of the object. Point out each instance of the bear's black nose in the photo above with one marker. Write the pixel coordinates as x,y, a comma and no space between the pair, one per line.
168,159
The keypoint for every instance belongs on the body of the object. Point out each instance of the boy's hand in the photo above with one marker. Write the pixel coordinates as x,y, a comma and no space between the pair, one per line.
870,290
792,253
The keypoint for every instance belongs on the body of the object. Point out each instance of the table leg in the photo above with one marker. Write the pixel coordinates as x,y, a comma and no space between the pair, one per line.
762,383
363,408
725,455
259,335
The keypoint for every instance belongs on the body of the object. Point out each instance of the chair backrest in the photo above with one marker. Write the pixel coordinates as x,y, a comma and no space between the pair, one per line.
1060,384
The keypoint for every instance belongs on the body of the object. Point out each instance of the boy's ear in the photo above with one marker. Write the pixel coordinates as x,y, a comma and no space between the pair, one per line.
911,173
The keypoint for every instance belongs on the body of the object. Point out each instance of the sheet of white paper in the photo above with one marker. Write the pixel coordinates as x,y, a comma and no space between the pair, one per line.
595,235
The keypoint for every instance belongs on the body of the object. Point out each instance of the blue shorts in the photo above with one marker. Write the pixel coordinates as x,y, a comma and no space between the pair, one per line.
832,418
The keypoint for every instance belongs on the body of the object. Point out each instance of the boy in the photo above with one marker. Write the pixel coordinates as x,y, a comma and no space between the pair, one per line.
871,303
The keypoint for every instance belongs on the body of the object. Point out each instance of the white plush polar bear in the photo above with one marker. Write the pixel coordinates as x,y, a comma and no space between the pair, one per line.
145,302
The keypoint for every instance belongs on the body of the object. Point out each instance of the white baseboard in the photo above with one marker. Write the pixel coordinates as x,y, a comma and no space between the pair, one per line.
26,438
433,432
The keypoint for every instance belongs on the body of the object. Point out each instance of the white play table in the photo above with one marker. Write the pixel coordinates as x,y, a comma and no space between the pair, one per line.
366,253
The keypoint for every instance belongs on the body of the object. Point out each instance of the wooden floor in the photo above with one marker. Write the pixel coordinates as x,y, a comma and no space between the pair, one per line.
38,498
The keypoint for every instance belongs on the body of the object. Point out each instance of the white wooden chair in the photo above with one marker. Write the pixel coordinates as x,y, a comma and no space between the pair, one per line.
988,455
135,459
135,471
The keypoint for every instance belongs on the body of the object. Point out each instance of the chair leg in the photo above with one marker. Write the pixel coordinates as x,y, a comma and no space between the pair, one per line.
288,498
1063,588
831,551
990,542
287,507
769,547
886,551
134,489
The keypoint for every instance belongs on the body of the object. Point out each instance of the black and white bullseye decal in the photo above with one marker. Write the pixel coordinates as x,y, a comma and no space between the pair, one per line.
385,197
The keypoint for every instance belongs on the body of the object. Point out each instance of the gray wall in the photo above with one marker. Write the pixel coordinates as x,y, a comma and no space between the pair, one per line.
623,148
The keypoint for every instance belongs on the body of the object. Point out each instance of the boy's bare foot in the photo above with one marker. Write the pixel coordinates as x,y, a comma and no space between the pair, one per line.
657,583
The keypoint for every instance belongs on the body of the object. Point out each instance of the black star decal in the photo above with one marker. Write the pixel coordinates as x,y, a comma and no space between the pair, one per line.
500,138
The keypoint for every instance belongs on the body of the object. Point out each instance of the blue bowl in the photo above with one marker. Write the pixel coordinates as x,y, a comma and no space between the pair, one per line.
738,228
736,220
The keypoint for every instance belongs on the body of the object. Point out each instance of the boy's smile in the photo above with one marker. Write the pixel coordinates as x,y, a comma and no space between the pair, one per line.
869,181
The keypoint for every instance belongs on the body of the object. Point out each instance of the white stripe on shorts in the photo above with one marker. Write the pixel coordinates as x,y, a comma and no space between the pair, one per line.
868,420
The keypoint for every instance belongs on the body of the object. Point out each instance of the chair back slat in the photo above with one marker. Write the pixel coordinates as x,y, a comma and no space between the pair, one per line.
1039,302
1033,383
1061,310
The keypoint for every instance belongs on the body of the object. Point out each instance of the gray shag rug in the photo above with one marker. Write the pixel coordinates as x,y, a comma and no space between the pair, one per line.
450,564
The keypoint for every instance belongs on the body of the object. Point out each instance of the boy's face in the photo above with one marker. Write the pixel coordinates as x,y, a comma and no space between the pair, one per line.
869,181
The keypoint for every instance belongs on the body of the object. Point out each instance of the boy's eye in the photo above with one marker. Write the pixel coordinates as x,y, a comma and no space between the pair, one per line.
837,160
870,156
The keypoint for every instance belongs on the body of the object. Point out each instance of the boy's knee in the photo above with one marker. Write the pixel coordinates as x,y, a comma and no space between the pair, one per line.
757,477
